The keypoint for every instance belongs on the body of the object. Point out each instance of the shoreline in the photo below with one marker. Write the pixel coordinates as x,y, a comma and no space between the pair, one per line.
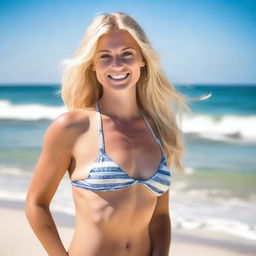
192,242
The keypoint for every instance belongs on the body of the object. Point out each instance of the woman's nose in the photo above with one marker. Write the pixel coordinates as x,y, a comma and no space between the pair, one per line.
117,62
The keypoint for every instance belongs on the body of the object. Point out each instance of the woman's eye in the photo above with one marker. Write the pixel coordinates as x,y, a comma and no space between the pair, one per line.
105,56
127,54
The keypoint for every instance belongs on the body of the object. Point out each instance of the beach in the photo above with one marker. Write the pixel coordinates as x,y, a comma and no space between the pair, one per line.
189,68
18,239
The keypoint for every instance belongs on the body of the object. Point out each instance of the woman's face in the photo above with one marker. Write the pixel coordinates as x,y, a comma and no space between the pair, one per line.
117,60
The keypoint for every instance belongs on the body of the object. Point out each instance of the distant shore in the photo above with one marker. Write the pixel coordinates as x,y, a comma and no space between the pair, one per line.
18,239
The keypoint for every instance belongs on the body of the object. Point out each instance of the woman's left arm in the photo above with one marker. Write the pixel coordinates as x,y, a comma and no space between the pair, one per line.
160,227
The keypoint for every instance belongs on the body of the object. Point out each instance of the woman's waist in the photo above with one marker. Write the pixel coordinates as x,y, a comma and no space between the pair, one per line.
112,241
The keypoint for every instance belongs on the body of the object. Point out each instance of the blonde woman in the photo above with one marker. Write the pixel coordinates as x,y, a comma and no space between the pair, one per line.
118,142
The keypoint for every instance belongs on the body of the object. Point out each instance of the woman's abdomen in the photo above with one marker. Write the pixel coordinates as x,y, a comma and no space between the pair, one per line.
93,242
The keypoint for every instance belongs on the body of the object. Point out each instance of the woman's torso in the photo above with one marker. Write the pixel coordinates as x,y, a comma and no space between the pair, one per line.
113,222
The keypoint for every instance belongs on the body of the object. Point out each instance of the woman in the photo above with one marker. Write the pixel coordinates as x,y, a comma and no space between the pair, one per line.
117,141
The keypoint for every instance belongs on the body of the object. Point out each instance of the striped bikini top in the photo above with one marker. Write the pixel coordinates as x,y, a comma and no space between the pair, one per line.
106,175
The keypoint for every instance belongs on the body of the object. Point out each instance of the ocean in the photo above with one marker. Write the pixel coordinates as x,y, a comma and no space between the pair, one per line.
218,189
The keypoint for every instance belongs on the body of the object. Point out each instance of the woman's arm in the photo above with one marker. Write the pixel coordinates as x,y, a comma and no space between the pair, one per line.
160,227
52,164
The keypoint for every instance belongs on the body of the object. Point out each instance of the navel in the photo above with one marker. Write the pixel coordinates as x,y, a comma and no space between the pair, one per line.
127,245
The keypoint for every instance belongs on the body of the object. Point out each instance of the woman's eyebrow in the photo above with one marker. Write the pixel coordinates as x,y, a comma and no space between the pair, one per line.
121,50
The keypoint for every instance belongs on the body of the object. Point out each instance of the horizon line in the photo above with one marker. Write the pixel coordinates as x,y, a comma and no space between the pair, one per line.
178,84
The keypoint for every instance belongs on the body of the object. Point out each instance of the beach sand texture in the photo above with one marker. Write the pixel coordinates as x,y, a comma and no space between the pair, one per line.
18,239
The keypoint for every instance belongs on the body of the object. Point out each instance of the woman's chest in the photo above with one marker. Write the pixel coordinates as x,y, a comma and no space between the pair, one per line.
132,148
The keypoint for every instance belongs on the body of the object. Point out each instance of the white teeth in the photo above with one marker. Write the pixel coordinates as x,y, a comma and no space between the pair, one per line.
118,77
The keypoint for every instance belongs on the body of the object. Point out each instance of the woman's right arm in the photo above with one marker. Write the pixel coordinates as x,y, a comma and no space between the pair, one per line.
52,164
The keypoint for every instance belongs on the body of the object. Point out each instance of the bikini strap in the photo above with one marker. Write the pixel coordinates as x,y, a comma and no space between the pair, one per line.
100,131
152,132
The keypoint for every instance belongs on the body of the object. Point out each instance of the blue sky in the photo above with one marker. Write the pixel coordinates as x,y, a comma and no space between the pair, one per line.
198,41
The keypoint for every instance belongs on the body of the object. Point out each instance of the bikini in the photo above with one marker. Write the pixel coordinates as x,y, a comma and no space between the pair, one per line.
106,175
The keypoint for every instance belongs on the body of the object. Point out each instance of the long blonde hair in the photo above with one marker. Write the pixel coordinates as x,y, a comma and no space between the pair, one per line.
156,96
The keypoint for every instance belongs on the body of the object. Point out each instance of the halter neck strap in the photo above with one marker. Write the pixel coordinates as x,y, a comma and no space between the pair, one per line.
100,131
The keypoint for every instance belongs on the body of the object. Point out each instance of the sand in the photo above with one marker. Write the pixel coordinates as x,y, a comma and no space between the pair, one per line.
18,239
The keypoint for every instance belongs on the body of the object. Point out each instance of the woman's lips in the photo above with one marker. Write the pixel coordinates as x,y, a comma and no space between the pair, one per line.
118,79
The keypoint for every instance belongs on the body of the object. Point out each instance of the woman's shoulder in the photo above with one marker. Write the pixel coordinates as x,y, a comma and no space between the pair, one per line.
73,117
73,122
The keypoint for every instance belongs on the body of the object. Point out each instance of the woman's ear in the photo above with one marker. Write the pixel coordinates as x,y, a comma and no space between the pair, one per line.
142,63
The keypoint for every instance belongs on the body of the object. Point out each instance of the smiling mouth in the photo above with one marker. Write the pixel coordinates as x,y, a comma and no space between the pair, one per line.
119,78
